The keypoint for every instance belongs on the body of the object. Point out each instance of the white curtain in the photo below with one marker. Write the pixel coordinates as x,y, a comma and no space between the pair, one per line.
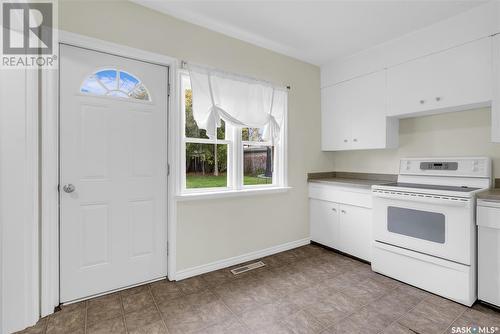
237,100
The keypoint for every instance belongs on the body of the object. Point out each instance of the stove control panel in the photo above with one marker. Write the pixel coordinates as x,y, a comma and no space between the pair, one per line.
452,165
466,167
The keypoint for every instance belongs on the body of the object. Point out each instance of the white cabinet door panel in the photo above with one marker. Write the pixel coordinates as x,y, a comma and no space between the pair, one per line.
324,221
462,75
407,87
448,81
354,115
336,117
368,105
356,231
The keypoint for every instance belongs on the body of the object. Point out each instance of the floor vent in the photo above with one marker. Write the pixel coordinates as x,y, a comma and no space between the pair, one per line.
247,267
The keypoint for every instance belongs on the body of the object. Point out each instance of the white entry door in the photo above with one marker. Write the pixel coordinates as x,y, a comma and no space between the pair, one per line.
113,172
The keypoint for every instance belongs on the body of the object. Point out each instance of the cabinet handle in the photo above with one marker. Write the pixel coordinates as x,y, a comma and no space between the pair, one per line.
345,140
334,210
355,139
343,211
438,98
422,101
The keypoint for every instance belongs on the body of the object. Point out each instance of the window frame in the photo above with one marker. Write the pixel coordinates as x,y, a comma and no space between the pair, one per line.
235,163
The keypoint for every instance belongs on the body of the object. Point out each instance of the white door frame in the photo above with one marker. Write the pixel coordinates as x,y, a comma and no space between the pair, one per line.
19,242
49,233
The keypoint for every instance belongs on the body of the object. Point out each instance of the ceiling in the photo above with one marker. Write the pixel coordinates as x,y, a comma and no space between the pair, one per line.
313,31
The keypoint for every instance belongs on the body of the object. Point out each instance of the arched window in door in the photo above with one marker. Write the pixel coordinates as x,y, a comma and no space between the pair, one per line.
115,83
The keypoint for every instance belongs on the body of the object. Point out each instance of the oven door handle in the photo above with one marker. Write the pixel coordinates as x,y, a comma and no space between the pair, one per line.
423,198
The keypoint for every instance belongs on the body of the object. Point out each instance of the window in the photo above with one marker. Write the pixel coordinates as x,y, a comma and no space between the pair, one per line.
111,82
258,157
237,159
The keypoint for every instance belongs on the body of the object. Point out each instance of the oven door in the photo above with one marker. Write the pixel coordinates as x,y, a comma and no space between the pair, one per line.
433,225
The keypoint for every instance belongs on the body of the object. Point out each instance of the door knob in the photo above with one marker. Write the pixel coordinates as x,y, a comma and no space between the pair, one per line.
69,188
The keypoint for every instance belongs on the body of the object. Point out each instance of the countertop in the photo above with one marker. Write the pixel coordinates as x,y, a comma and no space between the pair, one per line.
357,180
490,195
359,183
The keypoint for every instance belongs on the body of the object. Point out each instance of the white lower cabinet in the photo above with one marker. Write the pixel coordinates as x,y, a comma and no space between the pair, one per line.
488,221
324,219
346,227
355,231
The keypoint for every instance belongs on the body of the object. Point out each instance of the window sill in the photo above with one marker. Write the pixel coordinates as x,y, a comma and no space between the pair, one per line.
231,193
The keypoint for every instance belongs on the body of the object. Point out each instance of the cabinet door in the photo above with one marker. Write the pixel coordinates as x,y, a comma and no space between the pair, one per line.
489,264
368,104
356,231
450,80
324,220
336,117
408,87
488,221
462,76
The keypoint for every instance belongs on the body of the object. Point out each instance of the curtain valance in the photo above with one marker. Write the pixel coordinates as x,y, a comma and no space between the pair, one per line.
239,101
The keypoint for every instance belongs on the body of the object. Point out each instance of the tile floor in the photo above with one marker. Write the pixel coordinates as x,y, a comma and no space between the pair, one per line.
305,290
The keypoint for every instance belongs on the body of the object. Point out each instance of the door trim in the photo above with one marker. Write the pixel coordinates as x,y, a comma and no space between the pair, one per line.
49,232
19,262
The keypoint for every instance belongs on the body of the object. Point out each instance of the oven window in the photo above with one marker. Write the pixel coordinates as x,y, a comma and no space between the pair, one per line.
417,224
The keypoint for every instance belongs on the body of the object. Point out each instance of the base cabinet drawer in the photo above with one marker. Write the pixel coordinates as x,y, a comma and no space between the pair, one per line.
347,228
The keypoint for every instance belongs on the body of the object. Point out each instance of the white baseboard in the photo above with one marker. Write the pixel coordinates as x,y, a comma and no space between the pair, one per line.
205,268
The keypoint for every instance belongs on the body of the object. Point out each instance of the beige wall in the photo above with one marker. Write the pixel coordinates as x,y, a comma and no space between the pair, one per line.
211,230
465,133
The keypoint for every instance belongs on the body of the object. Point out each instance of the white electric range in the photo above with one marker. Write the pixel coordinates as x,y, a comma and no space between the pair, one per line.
424,227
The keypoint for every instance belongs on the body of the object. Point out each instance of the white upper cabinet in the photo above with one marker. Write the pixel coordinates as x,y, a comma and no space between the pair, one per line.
336,117
495,106
455,79
451,65
370,127
354,115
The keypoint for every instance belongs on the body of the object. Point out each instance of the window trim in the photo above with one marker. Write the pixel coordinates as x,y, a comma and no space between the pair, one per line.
235,180
231,193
